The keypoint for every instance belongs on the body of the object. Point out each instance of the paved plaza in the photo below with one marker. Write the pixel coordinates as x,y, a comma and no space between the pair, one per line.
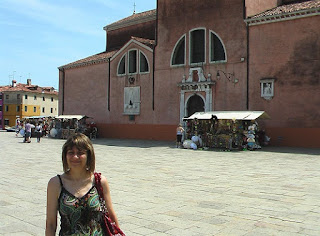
160,190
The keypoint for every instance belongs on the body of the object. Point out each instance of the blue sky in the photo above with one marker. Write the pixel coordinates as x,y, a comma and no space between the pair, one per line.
38,36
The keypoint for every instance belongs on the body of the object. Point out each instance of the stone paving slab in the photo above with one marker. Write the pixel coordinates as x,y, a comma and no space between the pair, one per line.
158,189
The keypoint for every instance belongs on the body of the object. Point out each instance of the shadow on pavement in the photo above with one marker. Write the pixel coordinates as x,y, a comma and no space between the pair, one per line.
293,150
153,143
132,143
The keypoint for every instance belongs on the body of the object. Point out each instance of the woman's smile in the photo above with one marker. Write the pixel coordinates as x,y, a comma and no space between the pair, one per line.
76,157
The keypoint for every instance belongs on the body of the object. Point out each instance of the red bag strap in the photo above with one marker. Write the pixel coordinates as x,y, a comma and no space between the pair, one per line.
97,180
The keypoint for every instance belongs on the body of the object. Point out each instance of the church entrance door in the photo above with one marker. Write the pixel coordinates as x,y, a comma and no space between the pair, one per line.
195,104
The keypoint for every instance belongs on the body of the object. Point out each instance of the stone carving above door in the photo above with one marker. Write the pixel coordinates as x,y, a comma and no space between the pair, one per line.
196,75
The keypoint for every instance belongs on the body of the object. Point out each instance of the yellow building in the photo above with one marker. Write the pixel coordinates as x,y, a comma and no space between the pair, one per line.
25,100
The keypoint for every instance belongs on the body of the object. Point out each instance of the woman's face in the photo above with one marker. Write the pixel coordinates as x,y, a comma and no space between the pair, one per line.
76,159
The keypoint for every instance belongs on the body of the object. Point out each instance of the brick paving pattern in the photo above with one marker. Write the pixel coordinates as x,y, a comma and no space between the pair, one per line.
158,189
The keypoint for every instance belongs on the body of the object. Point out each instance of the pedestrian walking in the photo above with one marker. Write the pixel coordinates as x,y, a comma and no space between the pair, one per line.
28,128
38,131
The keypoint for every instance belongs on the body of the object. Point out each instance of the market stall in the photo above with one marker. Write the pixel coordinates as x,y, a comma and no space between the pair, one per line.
224,129
64,126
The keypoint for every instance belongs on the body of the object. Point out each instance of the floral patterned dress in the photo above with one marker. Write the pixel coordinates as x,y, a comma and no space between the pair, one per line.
80,216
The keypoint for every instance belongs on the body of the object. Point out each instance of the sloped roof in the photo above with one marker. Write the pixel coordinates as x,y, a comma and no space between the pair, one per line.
132,20
148,42
28,88
94,59
289,8
104,56
286,12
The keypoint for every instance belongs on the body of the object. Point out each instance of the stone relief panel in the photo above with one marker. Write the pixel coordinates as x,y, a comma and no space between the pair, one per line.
267,88
132,100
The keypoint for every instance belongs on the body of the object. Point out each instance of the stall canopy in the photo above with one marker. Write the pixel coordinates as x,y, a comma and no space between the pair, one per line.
78,117
229,115
37,117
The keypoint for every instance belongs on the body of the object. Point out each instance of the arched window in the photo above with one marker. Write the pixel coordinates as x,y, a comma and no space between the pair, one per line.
178,56
144,66
217,50
128,63
197,46
122,66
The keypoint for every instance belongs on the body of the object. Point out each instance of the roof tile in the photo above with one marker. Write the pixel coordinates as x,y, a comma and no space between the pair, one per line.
289,8
28,88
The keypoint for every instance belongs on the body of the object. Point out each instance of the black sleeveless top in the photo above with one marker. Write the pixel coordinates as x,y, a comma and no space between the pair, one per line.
80,216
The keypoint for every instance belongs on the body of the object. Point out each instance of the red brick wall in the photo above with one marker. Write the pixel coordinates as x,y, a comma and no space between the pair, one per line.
289,52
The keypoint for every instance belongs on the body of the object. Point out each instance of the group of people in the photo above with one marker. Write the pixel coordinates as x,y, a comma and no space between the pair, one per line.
26,127
53,127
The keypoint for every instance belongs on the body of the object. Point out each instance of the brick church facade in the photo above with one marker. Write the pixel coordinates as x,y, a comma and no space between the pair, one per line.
163,65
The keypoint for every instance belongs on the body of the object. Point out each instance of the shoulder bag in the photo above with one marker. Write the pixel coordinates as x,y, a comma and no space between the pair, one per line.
110,227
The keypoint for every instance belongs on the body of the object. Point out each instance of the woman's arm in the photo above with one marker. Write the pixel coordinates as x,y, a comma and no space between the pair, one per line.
107,198
53,192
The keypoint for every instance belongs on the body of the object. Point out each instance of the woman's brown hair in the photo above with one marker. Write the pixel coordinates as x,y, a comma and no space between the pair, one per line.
83,143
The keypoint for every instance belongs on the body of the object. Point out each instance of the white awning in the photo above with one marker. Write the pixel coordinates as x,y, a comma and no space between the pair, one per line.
36,117
229,115
78,117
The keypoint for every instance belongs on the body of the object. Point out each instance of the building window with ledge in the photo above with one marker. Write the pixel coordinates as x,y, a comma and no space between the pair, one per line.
7,108
217,49
25,108
26,97
197,46
0,96
35,97
51,99
51,110
34,109
18,108
179,52
43,109
0,108
43,99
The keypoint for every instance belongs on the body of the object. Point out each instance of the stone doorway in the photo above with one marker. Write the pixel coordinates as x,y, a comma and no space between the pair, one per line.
195,104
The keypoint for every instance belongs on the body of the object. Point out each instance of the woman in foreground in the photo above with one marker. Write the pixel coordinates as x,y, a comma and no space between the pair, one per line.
75,194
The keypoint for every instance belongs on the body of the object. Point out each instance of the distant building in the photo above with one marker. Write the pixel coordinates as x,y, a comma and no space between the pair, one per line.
25,100
190,56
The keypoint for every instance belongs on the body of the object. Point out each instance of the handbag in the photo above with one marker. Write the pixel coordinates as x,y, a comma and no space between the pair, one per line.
110,227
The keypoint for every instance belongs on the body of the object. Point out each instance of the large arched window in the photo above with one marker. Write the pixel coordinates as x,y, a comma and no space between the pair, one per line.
132,62
197,46
217,50
178,56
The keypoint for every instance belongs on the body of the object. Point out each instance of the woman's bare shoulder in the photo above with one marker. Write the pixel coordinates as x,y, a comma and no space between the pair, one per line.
54,182
104,181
